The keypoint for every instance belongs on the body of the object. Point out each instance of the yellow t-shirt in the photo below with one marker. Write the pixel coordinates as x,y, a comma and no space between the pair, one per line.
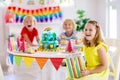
93,61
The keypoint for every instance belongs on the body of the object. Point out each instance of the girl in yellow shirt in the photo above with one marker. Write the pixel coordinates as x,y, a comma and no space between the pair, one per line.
95,52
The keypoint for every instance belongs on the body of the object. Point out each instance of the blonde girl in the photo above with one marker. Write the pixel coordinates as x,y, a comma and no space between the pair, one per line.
95,52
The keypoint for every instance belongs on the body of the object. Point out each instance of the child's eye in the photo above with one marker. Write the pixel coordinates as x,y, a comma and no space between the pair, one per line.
85,29
26,21
65,24
90,30
69,24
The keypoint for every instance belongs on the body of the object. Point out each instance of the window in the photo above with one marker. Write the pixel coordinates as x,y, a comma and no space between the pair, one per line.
112,19
112,0
112,22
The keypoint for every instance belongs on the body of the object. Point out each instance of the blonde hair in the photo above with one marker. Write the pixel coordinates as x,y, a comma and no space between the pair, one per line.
98,36
29,17
71,21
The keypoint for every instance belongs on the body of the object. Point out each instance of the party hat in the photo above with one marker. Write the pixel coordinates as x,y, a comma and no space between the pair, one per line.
69,47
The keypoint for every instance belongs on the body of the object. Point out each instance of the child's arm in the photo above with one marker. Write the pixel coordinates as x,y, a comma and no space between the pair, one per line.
62,39
104,63
27,39
37,39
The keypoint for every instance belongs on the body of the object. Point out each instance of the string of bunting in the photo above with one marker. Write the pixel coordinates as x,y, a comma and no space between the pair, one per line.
41,61
75,64
17,14
44,2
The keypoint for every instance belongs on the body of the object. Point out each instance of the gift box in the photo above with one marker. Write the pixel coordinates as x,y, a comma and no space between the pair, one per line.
75,64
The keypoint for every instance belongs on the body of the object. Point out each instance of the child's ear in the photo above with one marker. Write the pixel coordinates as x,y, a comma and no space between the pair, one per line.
24,23
34,23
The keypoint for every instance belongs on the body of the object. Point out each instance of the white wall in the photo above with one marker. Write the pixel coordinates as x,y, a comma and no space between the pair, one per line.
95,9
101,14
118,19
3,45
90,6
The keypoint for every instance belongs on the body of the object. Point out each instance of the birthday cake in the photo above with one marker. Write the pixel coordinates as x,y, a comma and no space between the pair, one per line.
49,40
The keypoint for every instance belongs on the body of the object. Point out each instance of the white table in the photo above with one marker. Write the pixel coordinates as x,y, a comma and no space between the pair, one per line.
43,54
49,72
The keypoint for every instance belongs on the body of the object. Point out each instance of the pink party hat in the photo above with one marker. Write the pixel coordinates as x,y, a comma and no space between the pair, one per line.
69,47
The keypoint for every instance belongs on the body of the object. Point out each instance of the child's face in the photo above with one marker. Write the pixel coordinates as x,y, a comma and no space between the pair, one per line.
29,23
90,31
68,26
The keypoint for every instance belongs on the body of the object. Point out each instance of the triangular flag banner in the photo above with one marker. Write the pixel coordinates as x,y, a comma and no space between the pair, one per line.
11,57
18,60
56,62
28,61
41,62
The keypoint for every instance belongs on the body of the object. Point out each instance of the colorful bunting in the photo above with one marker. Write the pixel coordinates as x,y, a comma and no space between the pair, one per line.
17,17
41,14
12,0
45,2
56,62
41,62
53,1
11,57
42,2
18,60
30,2
75,63
28,61
20,1
61,1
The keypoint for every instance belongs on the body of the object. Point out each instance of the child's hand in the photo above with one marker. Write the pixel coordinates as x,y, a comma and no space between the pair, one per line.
85,72
62,36
33,45
78,41
74,35
64,42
